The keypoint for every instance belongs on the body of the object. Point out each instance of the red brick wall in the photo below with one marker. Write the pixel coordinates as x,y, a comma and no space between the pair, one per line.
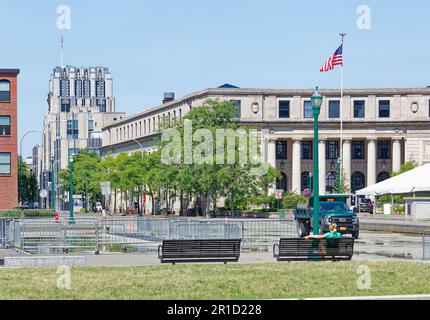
9,183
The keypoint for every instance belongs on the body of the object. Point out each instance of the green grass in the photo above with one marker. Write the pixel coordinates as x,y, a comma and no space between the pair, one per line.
218,281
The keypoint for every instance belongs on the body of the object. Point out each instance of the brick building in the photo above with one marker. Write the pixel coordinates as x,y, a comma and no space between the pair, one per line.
8,139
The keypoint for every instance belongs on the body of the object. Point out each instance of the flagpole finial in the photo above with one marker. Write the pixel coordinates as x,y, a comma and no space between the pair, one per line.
342,35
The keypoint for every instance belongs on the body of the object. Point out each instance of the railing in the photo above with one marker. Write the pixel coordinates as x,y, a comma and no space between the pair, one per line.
133,234
426,245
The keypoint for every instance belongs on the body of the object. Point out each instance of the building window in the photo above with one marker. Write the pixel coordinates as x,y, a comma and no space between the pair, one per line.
359,109
384,108
358,150
334,109
4,126
282,182
284,109
90,125
78,88
384,175
305,180
330,181
307,110
100,88
87,89
306,150
384,149
5,167
101,103
281,150
4,90
357,181
332,149
72,129
65,105
64,88
237,106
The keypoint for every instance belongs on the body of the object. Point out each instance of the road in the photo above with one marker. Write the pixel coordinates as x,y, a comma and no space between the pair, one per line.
387,246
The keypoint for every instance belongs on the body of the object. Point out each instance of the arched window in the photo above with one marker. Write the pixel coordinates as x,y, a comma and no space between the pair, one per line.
305,180
4,90
281,183
357,181
330,181
384,175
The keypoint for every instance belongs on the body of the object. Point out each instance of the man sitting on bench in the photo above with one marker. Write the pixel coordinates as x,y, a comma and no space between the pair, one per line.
333,234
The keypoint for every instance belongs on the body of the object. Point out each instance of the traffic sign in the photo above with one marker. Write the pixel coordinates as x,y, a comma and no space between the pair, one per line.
43,193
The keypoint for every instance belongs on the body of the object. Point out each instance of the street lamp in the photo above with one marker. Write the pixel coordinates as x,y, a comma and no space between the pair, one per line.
310,182
71,219
316,100
52,185
339,177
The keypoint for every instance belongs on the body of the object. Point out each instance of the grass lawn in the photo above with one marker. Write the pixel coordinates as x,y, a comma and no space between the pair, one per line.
218,281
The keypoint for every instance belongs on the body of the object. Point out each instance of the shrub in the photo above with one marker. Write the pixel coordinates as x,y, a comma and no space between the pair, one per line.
37,213
12,213
290,200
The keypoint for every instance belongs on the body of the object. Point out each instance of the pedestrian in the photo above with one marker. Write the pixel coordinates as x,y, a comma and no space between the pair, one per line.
332,234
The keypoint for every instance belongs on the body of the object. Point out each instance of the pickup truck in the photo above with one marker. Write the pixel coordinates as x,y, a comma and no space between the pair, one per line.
333,208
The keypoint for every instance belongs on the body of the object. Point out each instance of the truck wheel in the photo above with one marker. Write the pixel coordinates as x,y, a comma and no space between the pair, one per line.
302,229
355,234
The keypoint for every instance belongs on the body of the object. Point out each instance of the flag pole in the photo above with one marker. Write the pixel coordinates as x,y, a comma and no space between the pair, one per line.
61,51
339,164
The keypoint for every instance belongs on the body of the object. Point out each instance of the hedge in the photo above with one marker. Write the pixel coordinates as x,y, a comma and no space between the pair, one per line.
12,213
37,213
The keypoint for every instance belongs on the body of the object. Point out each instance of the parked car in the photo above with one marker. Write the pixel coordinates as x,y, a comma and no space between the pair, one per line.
365,205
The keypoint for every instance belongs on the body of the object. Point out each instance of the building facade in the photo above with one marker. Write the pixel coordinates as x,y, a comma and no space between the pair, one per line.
8,138
80,103
382,129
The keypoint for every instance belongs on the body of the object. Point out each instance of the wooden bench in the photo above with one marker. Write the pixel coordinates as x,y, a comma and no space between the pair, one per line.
299,249
203,250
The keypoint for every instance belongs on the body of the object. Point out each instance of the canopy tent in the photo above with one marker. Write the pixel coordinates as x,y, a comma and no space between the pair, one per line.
415,180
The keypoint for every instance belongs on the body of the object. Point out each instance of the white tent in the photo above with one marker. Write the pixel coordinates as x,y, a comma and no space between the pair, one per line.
415,180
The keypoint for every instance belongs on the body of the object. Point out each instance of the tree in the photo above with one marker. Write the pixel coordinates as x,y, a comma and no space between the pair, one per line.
405,167
86,176
28,188
344,187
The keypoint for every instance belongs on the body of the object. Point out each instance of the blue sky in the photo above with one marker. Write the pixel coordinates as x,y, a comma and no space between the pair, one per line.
184,46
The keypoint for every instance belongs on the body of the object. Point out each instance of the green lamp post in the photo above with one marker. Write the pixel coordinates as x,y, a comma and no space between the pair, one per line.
316,100
71,219
339,177
52,185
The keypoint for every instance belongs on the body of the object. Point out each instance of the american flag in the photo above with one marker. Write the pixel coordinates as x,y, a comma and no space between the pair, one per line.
335,59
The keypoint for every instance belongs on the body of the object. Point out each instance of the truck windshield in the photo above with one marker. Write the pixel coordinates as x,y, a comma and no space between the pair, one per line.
333,206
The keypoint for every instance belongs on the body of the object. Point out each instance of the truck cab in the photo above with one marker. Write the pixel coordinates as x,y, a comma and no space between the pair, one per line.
333,209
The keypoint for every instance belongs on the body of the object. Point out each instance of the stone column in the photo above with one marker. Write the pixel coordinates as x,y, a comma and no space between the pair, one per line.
297,170
346,162
321,164
271,159
397,154
371,162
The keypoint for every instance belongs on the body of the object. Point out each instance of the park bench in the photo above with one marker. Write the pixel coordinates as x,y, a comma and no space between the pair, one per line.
299,249
202,250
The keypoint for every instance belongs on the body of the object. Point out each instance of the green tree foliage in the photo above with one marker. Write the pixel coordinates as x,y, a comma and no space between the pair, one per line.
86,176
28,188
193,183
405,167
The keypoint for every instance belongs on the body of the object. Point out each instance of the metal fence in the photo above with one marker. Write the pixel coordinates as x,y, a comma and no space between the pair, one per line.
139,234
426,245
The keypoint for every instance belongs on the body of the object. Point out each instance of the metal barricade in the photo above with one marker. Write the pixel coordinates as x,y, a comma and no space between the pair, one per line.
4,228
139,234
426,245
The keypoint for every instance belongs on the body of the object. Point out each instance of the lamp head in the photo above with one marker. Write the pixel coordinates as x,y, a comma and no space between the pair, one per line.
71,159
316,100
